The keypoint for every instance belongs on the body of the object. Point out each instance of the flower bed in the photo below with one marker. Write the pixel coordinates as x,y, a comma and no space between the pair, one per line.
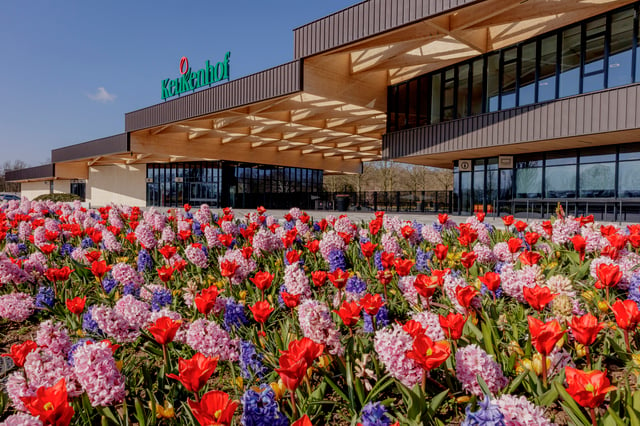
116,316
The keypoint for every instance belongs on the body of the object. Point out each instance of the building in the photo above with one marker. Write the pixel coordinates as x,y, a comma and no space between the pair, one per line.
530,102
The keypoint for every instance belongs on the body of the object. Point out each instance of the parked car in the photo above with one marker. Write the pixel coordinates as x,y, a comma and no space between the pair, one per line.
8,197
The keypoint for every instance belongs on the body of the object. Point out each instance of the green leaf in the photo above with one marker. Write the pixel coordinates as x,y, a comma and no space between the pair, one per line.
437,400
336,388
483,385
516,382
140,417
380,385
549,397
613,416
570,406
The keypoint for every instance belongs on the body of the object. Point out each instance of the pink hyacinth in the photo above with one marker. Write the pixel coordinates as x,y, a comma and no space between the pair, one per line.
203,214
111,243
44,368
431,235
54,337
24,230
39,237
316,323
16,387
245,266
513,281
480,228
16,306
331,241
344,225
473,361
115,219
211,340
296,281
485,255
125,274
167,235
303,228
211,234
21,419
431,323
196,256
134,311
144,235
502,253
405,284
518,411
114,324
564,229
390,244
391,345
392,224
36,264
265,241
95,369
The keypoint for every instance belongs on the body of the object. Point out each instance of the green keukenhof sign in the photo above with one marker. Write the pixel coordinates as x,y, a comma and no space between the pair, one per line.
191,80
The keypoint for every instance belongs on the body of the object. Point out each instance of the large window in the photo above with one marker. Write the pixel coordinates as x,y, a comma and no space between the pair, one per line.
598,173
592,55
529,177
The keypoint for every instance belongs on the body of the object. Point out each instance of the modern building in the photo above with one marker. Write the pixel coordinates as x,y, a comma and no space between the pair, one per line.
531,102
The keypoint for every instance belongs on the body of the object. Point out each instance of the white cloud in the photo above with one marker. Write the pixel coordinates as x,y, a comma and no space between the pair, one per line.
102,95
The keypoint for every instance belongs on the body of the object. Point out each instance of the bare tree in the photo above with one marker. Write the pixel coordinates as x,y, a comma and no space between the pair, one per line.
7,166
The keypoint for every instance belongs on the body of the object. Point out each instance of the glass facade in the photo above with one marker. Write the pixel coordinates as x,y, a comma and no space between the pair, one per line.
224,183
592,55
609,172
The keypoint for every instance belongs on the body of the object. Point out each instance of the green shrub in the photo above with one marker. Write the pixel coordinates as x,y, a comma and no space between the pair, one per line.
57,197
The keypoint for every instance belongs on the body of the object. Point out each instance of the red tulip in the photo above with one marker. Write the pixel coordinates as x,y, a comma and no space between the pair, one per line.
403,266
313,246
292,256
215,408
368,249
228,268
414,328
585,329
50,405
225,239
425,285
168,251
375,225
184,234
608,275
302,421
99,268
440,274
339,278
443,218
292,370
531,238
428,354
165,273
627,314
262,280
371,303
514,244
19,352
452,325
507,220
349,313
465,295
548,228
319,278
261,311
520,226
618,241
480,216
544,336
384,276
195,372
206,300
387,259
468,259
48,248
529,257
491,280
407,231
579,245
290,300
608,230
164,330
441,252
588,389
538,297
304,348
467,234
76,305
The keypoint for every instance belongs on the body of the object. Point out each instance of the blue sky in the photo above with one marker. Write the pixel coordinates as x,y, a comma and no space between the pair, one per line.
71,70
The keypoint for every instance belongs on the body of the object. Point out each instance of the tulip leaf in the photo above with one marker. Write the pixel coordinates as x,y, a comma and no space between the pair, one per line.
336,388
483,385
437,400
613,418
140,417
549,397
570,406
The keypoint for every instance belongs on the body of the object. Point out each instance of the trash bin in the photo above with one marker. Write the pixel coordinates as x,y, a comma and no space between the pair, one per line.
342,202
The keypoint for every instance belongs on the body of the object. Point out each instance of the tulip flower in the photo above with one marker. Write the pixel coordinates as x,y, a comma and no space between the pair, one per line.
515,244
164,330
452,325
302,421
292,371
371,303
441,252
425,286
387,259
313,246
407,231
184,234
290,300
627,317
76,305
319,278
215,408
427,354
168,251
206,300
99,268
480,216
225,239
608,276
293,257
588,388
19,352
529,257
544,337
261,311
228,268
520,226
403,266
339,278
468,259
414,328
349,313
368,249
492,281
50,405
579,245
305,348
465,295
165,273
440,274
507,220
262,280
443,218
585,329
375,225
538,297
194,372
531,238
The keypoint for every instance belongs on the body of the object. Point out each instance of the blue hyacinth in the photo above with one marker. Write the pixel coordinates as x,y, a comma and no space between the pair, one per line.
145,262
196,229
422,260
261,409
234,315
377,259
45,297
251,361
66,249
132,289
634,288
437,227
337,260
488,414
418,233
382,320
109,283
289,225
160,298
86,243
12,238
89,324
375,414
